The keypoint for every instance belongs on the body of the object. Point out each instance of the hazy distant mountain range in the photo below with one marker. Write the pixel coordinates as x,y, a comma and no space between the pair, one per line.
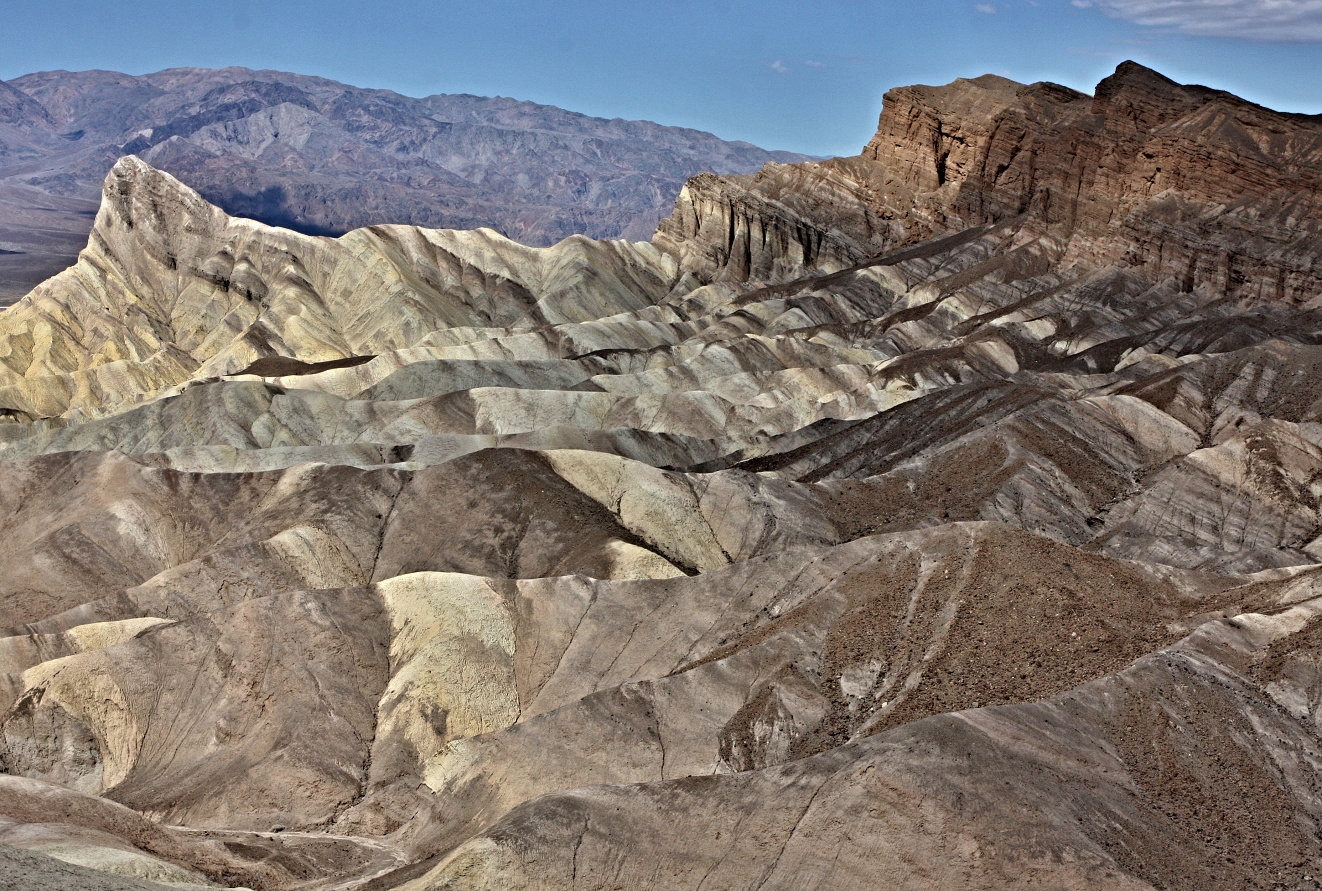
323,158
947,517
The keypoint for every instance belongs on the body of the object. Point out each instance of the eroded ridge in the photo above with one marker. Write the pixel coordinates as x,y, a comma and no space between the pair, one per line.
948,514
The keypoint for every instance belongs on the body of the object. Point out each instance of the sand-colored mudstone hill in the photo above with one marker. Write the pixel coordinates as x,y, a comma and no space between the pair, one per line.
324,157
941,518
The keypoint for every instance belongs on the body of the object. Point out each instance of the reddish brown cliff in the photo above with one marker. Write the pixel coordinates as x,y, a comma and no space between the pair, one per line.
1178,182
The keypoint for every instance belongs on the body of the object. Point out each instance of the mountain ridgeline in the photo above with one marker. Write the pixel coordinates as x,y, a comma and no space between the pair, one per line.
944,517
322,158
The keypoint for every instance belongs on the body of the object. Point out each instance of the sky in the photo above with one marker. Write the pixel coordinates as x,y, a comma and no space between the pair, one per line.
801,75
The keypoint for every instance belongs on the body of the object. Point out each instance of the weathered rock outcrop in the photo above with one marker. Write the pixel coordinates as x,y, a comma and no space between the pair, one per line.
942,517
1181,183
170,289
324,158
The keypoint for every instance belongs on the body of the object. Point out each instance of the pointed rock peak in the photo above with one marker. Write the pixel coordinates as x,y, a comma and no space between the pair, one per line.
134,174
1144,96
993,82
132,167
136,193
1132,75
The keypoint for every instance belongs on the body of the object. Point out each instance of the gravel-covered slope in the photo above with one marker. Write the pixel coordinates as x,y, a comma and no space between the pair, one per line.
890,521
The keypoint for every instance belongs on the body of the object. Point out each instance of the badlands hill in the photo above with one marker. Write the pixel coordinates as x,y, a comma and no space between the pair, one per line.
322,157
944,517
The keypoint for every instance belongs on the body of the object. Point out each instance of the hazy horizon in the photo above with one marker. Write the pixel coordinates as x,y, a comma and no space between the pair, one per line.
787,74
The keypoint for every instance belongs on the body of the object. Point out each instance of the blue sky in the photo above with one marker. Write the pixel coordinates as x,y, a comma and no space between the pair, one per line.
806,75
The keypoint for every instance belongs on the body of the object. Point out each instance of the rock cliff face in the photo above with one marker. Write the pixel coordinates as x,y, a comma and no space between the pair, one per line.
322,157
946,517
1182,183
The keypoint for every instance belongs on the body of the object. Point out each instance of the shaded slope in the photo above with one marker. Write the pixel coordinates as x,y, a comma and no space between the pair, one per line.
945,516
322,158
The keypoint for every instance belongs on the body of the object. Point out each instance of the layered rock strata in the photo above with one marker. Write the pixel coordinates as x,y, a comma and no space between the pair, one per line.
324,158
945,517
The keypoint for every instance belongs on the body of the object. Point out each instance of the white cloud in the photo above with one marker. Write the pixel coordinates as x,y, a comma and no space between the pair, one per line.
813,63
776,65
1292,21
985,8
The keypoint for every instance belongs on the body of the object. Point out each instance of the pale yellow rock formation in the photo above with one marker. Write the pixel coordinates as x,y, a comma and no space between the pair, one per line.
896,519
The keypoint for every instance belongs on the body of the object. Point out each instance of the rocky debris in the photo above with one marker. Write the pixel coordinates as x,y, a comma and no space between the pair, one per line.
1123,783
941,514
